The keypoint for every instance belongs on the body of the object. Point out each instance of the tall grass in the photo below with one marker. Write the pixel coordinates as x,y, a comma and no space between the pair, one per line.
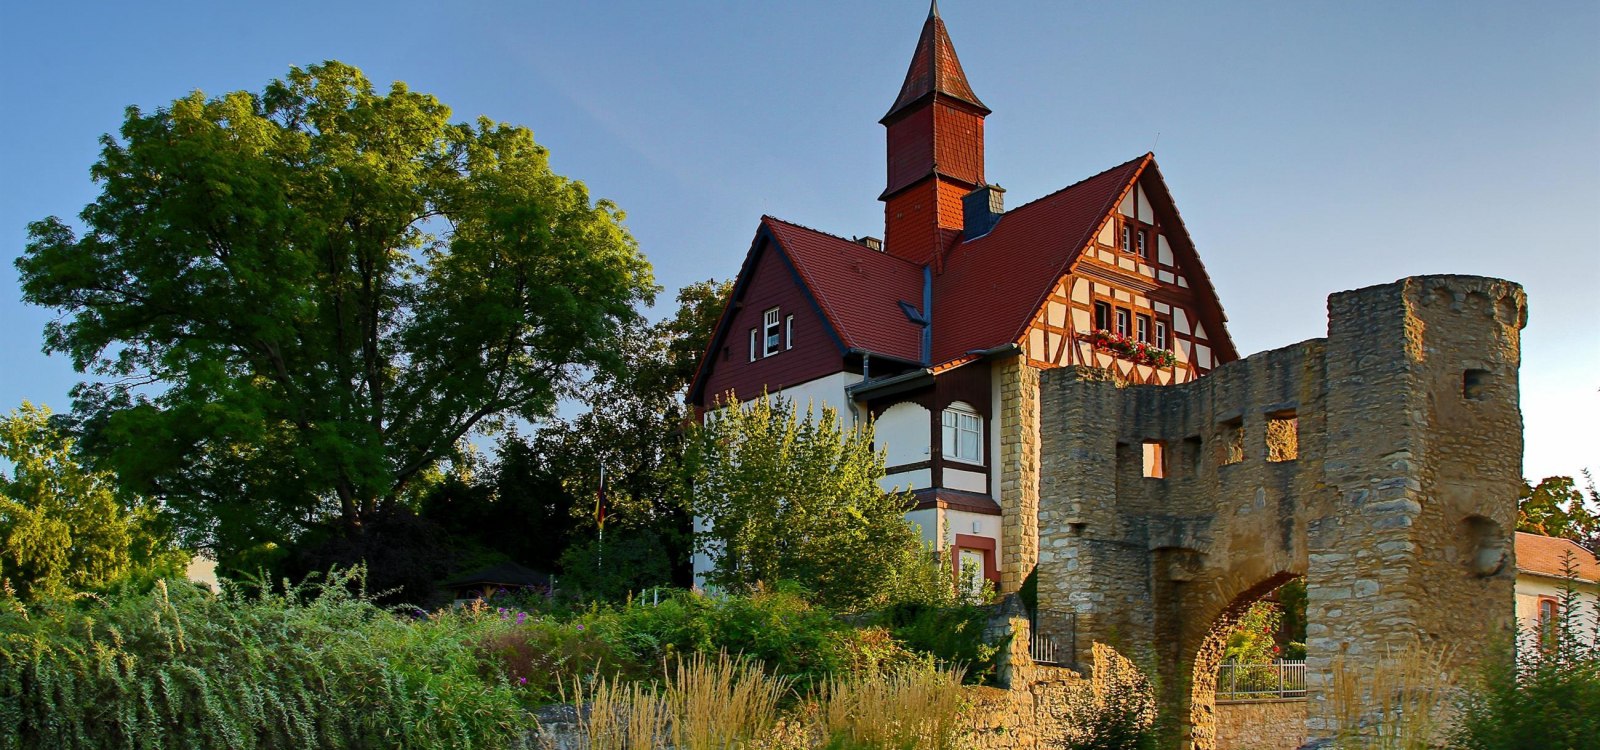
181,668
911,710
722,702
1403,702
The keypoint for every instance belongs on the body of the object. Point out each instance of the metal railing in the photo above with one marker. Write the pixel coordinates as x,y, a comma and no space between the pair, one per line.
1285,678
1053,638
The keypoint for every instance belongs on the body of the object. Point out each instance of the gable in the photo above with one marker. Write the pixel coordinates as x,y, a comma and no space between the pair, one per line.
808,347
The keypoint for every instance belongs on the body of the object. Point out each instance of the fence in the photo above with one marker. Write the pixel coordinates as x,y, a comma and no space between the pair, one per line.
1249,682
1054,638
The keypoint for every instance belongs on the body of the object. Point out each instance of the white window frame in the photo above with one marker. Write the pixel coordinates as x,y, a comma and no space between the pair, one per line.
1161,333
956,422
1122,321
788,332
753,334
1127,238
769,333
1142,328
1142,250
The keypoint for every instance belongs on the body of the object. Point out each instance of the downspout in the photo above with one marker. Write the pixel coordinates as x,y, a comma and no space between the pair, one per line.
866,374
927,315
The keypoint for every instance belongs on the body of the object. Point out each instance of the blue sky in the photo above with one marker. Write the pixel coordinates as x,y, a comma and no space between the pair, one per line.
1312,147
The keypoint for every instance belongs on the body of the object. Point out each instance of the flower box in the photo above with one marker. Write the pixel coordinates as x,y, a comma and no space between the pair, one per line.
1138,352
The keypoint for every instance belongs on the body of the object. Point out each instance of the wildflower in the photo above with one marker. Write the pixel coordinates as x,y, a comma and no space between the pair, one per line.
522,680
580,628
521,617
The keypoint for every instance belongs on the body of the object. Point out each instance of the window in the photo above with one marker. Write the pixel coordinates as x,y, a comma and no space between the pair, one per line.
1102,316
1230,441
1283,437
1127,238
788,332
963,435
769,325
1161,334
1475,385
1122,322
1143,253
1549,612
1144,328
753,345
1155,459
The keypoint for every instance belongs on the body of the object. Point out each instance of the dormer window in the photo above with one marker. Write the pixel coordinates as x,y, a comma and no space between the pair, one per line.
770,340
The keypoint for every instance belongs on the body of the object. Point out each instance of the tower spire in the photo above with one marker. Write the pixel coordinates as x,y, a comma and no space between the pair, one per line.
935,143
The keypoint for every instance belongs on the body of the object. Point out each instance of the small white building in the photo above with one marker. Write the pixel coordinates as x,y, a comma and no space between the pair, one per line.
1543,578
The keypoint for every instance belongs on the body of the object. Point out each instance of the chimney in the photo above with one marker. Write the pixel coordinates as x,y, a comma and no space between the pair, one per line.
980,210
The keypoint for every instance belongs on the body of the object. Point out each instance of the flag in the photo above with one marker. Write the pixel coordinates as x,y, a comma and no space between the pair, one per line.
600,502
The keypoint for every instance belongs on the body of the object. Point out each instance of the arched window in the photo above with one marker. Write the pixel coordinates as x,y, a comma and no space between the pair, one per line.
963,434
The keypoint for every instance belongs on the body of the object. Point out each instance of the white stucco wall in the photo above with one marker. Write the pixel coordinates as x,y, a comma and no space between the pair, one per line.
903,431
1531,588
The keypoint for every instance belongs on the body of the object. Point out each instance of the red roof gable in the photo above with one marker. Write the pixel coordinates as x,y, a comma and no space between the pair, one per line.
1547,556
859,289
992,285
934,69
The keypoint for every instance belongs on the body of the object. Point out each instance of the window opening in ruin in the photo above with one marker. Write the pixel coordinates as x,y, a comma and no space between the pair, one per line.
1283,437
1155,459
1231,441
1475,384
1192,455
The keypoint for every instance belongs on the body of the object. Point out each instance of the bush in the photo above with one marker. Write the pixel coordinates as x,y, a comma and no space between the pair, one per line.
952,635
309,667
1546,697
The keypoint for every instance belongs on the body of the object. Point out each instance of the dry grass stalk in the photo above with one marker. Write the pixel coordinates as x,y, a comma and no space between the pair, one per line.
1411,690
722,703
624,716
914,709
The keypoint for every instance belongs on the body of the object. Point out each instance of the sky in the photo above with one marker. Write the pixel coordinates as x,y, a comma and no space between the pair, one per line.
1312,147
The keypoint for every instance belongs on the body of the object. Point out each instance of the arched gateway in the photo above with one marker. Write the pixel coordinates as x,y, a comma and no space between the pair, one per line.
1381,463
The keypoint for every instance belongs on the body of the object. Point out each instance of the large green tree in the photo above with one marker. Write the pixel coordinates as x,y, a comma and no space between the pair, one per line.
63,526
299,303
1557,507
786,496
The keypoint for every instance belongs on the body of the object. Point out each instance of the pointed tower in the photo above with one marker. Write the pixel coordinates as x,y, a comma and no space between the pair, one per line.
935,150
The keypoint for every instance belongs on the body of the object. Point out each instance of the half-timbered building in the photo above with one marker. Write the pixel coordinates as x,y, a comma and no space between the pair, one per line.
938,331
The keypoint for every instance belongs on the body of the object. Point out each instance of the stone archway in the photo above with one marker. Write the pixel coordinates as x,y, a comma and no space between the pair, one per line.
1206,658
1382,463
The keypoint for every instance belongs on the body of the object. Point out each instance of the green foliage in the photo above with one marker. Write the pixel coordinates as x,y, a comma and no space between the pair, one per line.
62,526
1542,691
332,288
1254,638
628,560
309,667
1556,507
953,635
786,497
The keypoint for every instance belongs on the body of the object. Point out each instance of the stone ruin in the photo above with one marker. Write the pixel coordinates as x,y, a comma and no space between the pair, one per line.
1381,463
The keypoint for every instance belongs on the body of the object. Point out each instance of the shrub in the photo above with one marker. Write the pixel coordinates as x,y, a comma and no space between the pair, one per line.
309,667
1547,698
952,635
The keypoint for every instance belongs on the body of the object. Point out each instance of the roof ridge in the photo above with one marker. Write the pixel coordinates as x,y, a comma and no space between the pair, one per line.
1101,173
846,240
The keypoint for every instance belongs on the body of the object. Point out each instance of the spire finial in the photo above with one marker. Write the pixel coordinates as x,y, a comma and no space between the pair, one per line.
933,9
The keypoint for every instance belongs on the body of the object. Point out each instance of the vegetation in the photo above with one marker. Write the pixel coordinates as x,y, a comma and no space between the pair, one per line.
63,527
300,302
1542,691
1557,507
789,497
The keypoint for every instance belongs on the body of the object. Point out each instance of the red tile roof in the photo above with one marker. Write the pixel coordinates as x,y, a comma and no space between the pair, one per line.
992,285
859,289
1546,556
934,69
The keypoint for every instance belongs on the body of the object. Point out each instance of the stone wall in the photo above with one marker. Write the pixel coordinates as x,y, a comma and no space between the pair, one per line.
1381,463
1261,725
1019,472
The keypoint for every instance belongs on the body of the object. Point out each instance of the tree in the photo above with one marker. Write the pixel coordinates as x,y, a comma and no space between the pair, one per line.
1556,507
785,497
62,526
300,302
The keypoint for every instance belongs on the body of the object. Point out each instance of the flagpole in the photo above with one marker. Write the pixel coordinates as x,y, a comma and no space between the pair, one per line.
600,518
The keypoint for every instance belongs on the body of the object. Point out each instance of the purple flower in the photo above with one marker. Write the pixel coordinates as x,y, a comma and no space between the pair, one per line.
522,680
521,616
580,628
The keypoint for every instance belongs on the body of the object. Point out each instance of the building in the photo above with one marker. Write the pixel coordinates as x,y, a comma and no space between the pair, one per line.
935,330
1546,568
